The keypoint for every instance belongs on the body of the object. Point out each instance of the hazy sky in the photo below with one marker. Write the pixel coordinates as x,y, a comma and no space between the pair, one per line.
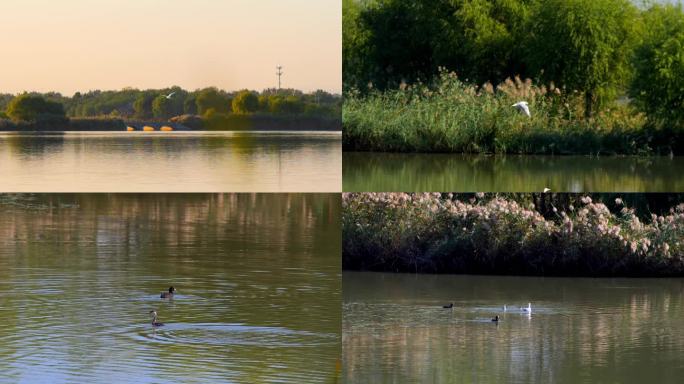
79,45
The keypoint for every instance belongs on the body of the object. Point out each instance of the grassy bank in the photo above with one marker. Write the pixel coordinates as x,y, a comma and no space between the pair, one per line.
456,117
561,235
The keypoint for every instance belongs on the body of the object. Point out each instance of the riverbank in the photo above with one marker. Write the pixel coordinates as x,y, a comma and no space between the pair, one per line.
182,123
451,116
544,235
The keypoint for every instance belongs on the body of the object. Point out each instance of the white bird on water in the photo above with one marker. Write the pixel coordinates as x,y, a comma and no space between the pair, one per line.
522,107
169,95
528,309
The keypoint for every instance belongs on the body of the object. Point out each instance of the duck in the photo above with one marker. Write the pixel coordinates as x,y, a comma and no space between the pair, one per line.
168,294
528,309
155,323
496,319
451,305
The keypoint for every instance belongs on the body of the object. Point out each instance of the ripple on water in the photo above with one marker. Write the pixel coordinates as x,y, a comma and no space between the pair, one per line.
229,334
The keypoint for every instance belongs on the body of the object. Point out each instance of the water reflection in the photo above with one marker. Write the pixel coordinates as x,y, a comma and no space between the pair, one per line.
386,172
170,162
257,277
580,330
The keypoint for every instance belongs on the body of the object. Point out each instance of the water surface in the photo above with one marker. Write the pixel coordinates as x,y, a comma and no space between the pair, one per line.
170,162
392,172
580,330
258,280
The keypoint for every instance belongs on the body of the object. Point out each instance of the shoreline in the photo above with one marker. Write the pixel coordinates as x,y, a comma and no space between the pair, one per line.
230,123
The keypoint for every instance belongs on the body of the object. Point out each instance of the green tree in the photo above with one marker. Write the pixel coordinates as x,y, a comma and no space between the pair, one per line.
584,45
190,105
162,107
32,108
142,105
211,98
386,42
658,84
245,102
285,105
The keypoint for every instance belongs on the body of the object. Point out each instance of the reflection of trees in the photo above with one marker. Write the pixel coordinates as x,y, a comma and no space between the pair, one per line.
446,172
34,145
170,221
600,329
255,259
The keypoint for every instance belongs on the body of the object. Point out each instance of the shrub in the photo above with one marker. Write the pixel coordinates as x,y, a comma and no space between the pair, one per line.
499,235
33,108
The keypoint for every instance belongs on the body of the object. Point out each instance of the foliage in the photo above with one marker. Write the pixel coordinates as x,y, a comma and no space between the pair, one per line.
245,102
387,42
659,62
162,107
584,45
130,103
33,108
143,105
501,235
453,116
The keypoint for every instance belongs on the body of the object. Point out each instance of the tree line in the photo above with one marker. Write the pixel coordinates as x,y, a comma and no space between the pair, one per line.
166,103
603,49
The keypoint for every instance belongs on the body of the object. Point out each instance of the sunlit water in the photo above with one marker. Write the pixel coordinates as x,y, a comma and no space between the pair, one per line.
392,172
258,280
171,162
580,330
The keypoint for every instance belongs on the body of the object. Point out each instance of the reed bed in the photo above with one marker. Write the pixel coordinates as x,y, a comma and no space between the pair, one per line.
453,116
492,234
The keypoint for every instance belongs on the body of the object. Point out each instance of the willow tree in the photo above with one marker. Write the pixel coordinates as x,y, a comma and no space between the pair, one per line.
658,84
584,45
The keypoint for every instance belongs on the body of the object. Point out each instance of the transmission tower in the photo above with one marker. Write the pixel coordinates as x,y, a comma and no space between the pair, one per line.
279,73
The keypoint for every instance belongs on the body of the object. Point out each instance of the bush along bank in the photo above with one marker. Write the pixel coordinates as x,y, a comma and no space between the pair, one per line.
485,234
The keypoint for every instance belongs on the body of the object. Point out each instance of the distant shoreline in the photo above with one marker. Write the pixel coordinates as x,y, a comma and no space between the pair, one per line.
237,123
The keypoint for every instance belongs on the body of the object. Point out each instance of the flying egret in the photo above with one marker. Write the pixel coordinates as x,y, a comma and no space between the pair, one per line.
547,190
522,107
171,94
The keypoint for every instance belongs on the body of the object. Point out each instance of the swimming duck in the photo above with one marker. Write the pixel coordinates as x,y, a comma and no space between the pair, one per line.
528,309
451,305
168,294
496,319
155,323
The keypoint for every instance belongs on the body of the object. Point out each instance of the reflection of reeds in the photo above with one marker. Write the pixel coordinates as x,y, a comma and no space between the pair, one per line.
432,233
375,346
453,116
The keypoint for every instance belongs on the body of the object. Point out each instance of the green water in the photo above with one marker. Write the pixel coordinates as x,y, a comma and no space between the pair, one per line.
258,280
392,172
580,330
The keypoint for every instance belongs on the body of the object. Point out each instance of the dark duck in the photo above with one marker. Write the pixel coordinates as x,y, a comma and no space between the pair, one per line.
169,294
155,323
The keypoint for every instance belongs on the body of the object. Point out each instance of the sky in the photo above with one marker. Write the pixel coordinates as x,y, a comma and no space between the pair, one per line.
81,45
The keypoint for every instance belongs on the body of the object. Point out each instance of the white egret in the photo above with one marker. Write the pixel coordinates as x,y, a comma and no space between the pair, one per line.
528,309
547,190
522,107
171,94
